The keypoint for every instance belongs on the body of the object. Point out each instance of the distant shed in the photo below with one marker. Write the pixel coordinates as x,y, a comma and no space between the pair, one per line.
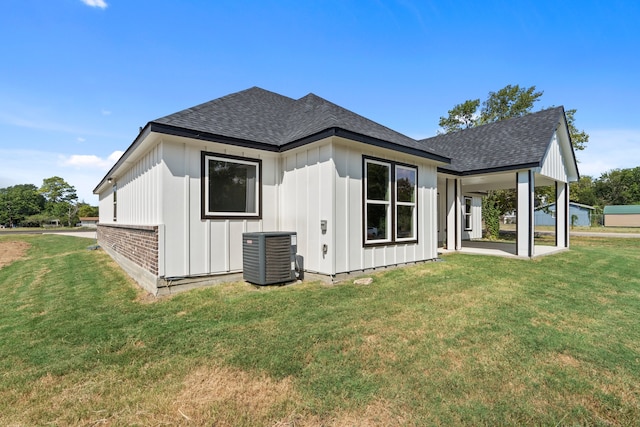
622,216
89,221
579,215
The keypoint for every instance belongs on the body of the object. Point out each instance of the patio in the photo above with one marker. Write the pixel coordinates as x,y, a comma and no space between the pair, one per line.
503,249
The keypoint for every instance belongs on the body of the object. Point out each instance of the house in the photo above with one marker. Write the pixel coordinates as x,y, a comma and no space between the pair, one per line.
89,221
359,195
622,216
579,214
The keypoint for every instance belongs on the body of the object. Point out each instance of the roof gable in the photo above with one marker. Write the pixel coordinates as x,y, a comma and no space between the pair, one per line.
507,144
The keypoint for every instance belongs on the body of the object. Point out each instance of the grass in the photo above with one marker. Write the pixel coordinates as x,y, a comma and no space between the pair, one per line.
472,340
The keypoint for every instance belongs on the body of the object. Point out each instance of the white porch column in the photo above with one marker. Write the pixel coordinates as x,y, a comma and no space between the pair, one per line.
563,217
454,217
524,228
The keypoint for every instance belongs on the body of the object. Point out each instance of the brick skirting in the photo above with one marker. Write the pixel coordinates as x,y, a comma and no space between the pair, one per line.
137,243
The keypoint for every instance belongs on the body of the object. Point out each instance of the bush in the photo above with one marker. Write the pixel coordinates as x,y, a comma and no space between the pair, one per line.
491,217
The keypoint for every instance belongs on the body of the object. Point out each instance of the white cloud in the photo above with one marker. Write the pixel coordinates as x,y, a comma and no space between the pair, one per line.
115,156
96,3
81,139
90,161
106,112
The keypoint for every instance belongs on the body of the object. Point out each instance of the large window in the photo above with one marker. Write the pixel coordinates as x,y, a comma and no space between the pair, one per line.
390,207
231,187
405,202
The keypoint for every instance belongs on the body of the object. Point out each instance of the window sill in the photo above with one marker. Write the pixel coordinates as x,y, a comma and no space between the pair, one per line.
390,243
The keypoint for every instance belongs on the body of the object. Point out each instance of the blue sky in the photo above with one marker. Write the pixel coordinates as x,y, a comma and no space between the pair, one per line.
79,77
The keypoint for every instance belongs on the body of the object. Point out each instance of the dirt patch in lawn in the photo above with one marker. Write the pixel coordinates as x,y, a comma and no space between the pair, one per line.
228,395
12,251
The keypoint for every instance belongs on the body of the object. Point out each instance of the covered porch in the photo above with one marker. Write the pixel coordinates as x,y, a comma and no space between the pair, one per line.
460,222
519,154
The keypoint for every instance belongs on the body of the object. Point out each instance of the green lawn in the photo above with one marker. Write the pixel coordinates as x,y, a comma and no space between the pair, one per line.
472,340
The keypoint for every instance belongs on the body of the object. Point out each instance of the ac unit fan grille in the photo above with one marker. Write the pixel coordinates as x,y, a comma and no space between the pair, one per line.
278,259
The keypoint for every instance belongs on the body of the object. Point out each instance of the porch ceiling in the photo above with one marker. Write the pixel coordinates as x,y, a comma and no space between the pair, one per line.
497,181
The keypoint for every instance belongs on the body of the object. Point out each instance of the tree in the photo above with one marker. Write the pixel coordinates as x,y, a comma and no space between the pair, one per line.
61,198
85,209
583,191
619,187
508,102
579,138
462,116
19,202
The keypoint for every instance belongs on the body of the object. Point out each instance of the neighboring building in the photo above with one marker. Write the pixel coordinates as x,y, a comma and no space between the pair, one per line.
579,215
359,195
622,216
89,221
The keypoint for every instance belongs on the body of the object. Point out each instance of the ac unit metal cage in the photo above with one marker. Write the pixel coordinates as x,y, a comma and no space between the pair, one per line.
269,257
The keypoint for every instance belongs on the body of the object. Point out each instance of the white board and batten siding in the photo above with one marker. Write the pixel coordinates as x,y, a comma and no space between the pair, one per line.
196,246
163,187
306,199
138,193
300,188
349,253
553,164
323,182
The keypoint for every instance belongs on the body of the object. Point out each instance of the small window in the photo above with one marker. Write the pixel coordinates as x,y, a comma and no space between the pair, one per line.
115,202
467,213
231,187
390,202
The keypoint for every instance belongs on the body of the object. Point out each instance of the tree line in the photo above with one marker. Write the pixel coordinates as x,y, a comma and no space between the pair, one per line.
55,202
615,187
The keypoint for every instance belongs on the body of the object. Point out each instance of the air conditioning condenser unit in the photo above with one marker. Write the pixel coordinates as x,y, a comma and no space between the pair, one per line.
269,257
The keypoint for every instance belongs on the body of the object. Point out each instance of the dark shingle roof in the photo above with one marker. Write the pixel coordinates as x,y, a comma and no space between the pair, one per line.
253,114
521,141
276,121
266,120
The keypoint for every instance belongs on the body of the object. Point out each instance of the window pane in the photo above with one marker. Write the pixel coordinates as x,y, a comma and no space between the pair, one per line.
377,181
232,187
405,222
406,184
377,221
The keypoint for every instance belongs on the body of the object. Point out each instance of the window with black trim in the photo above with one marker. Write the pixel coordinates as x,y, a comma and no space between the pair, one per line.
467,213
390,202
115,202
231,186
